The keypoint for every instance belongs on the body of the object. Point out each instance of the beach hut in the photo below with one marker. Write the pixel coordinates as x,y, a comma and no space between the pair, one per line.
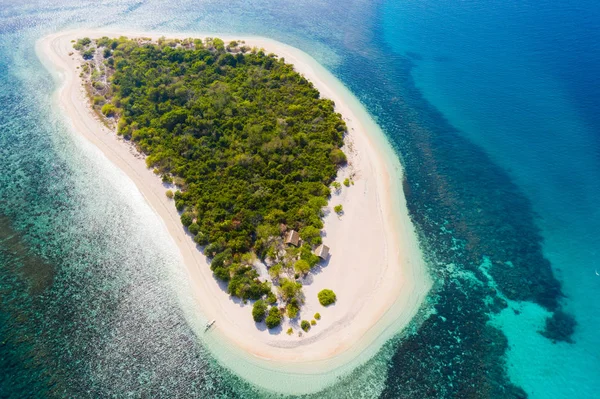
292,238
322,251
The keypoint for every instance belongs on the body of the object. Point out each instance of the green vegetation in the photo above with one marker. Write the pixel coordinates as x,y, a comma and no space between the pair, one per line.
259,310
186,219
290,289
248,142
169,194
313,322
275,271
339,209
326,297
271,298
89,53
109,110
337,187
194,228
274,317
301,266
338,157
293,308
318,316
81,43
290,331
347,182
311,234
305,325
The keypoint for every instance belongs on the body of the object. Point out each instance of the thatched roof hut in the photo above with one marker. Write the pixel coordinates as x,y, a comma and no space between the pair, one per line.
322,251
292,238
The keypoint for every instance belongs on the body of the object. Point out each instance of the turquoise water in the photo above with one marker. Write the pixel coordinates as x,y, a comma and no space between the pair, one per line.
493,109
517,80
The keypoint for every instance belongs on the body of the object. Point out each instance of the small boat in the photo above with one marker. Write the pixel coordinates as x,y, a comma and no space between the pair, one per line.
209,324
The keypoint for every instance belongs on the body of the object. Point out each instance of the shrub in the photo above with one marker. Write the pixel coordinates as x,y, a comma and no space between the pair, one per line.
89,54
302,266
169,194
107,53
98,100
274,317
347,182
313,322
109,110
305,325
339,209
271,298
244,282
103,41
259,310
307,255
201,239
290,331
81,43
222,273
194,228
289,289
338,157
336,186
275,271
292,310
218,43
186,219
213,248
311,235
222,259
318,316
326,297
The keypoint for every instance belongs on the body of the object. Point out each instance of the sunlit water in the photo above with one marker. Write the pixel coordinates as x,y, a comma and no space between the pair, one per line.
493,112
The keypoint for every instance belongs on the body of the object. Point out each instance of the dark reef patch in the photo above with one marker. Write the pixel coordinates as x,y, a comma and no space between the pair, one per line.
457,355
20,287
560,327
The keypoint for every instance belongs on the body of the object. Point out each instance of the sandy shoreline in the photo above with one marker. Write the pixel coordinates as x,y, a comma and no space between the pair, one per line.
376,267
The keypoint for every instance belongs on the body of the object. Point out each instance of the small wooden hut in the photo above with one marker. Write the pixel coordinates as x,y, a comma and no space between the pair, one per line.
292,238
322,251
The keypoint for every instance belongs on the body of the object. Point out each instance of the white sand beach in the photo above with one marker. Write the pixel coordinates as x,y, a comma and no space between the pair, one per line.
376,267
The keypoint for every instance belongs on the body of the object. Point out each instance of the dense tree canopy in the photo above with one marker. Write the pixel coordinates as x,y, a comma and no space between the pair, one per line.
249,142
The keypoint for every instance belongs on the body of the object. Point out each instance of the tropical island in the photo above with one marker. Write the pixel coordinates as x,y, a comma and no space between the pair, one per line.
315,222
248,143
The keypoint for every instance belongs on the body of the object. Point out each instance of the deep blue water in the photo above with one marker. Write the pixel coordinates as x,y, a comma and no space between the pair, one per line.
493,108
